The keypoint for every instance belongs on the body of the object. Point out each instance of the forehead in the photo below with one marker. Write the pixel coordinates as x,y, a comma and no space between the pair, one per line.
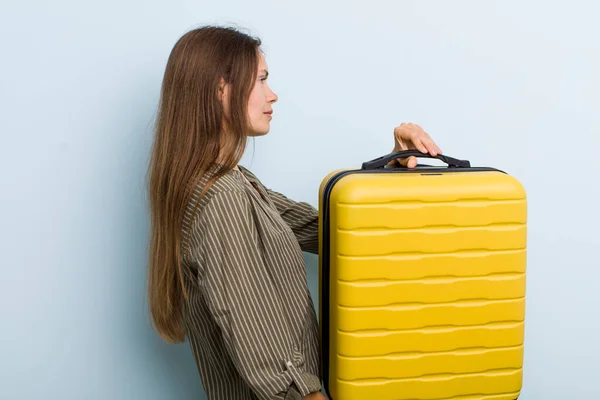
262,62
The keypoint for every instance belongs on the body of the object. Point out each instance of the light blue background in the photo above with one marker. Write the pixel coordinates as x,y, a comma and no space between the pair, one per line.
510,84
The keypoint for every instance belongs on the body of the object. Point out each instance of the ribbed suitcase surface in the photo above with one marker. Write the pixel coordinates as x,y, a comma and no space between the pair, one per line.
422,284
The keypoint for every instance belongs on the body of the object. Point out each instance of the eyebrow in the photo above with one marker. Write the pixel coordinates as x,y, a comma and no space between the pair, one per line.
265,72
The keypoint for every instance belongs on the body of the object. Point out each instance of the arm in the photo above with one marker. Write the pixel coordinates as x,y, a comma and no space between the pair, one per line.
301,217
241,297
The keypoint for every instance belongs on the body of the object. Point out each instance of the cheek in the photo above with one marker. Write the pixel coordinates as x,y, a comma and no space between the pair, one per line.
257,101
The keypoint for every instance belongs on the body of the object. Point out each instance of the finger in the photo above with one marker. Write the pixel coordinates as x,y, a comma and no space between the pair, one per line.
429,144
412,162
418,144
432,147
400,144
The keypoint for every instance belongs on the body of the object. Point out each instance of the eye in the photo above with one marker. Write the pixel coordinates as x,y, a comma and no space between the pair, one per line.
264,79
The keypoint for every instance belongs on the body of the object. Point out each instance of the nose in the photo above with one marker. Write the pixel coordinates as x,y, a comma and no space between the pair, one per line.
271,96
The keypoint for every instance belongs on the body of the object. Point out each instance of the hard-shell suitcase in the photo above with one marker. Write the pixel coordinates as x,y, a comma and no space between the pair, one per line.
422,281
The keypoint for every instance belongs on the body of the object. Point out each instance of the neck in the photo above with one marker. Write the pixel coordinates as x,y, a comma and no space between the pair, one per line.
227,148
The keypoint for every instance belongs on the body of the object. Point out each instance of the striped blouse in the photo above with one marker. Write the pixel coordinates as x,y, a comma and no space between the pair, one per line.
250,318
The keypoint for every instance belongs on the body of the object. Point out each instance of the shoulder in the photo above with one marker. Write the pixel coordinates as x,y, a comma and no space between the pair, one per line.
227,183
224,197
249,174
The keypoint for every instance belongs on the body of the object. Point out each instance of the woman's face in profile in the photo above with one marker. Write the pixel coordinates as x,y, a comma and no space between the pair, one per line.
260,103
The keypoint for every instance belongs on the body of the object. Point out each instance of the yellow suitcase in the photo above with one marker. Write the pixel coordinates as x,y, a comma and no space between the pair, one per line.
422,281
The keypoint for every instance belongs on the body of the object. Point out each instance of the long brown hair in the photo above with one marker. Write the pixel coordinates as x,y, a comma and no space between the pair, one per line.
189,139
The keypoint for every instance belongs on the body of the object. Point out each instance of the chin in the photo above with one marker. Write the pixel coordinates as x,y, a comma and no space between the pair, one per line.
260,131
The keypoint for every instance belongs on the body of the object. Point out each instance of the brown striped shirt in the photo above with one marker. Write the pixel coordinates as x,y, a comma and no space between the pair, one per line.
250,318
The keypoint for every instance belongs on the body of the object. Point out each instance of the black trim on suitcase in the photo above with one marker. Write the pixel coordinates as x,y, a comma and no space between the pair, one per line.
384,160
367,167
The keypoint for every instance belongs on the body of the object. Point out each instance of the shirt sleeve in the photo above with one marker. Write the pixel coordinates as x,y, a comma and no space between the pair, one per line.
301,217
241,297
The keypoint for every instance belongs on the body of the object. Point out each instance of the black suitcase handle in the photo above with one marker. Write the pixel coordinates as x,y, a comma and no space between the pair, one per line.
384,160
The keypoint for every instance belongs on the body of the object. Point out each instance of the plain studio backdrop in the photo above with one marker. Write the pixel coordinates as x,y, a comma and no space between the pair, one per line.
509,84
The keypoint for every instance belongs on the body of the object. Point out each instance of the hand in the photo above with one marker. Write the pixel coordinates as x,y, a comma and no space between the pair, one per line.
412,136
315,396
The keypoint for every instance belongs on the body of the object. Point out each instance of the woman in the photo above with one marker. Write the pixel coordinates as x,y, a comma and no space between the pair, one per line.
225,264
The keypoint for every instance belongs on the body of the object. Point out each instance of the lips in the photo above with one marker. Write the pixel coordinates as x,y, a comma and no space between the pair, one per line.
269,112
